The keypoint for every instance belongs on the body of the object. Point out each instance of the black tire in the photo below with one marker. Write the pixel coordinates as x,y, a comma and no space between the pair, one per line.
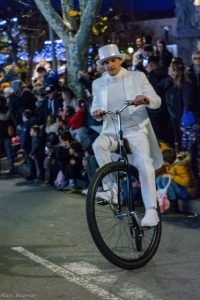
110,230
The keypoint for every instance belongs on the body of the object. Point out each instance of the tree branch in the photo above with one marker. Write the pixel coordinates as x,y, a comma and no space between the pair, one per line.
82,5
88,18
68,5
53,18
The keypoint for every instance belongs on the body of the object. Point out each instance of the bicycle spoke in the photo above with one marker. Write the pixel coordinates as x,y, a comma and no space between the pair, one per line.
114,228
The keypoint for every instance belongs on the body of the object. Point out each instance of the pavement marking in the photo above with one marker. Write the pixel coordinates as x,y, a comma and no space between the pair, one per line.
137,293
70,276
83,268
92,273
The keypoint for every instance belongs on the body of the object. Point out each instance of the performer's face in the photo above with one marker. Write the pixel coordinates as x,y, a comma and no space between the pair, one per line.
112,65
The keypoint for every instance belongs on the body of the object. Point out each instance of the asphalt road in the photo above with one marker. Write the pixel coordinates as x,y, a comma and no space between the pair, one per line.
46,252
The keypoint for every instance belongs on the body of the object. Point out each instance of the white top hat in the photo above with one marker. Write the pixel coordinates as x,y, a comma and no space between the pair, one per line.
109,51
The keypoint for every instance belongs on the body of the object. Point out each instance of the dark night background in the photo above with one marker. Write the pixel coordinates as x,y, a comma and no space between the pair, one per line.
145,8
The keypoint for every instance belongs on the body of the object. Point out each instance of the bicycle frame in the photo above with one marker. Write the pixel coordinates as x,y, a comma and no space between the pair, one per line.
122,152
123,156
115,226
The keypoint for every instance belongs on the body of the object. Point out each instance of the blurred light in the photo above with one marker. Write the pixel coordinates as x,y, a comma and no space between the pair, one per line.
130,50
3,22
196,2
3,58
14,20
46,52
90,50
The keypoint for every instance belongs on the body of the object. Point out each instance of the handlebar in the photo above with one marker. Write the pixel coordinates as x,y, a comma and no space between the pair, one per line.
139,100
117,112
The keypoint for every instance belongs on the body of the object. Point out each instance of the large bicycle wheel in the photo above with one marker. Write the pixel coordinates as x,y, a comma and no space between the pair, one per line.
114,228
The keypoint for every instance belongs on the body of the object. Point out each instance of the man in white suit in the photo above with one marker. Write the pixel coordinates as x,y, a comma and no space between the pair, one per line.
110,92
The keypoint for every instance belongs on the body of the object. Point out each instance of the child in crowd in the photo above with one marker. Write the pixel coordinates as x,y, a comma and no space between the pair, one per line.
62,151
78,124
89,168
52,125
41,104
25,142
62,126
4,135
183,183
73,171
68,98
85,163
49,160
67,114
37,152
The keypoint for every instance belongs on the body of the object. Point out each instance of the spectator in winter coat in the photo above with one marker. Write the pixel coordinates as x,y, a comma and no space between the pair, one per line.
137,55
42,63
179,94
21,99
62,151
41,104
183,183
165,57
68,98
194,75
73,170
25,142
159,117
52,125
4,136
37,151
46,77
49,161
54,103
78,123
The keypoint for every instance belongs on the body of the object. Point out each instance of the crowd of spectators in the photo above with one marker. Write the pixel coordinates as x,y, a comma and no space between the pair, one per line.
56,130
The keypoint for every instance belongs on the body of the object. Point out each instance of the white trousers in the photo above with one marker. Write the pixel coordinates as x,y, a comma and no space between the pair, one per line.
140,158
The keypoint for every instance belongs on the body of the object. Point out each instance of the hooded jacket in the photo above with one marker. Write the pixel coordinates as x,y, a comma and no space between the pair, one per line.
181,173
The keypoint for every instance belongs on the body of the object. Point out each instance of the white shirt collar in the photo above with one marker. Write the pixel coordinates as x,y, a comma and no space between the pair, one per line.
116,77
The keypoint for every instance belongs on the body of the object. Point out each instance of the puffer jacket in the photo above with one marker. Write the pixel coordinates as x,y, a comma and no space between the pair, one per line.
181,173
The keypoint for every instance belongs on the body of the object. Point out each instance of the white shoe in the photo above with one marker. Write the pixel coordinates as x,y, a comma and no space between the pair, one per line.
151,218
108,196
84,192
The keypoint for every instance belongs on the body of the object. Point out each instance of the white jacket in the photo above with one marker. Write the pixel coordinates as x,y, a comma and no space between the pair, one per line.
135,83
